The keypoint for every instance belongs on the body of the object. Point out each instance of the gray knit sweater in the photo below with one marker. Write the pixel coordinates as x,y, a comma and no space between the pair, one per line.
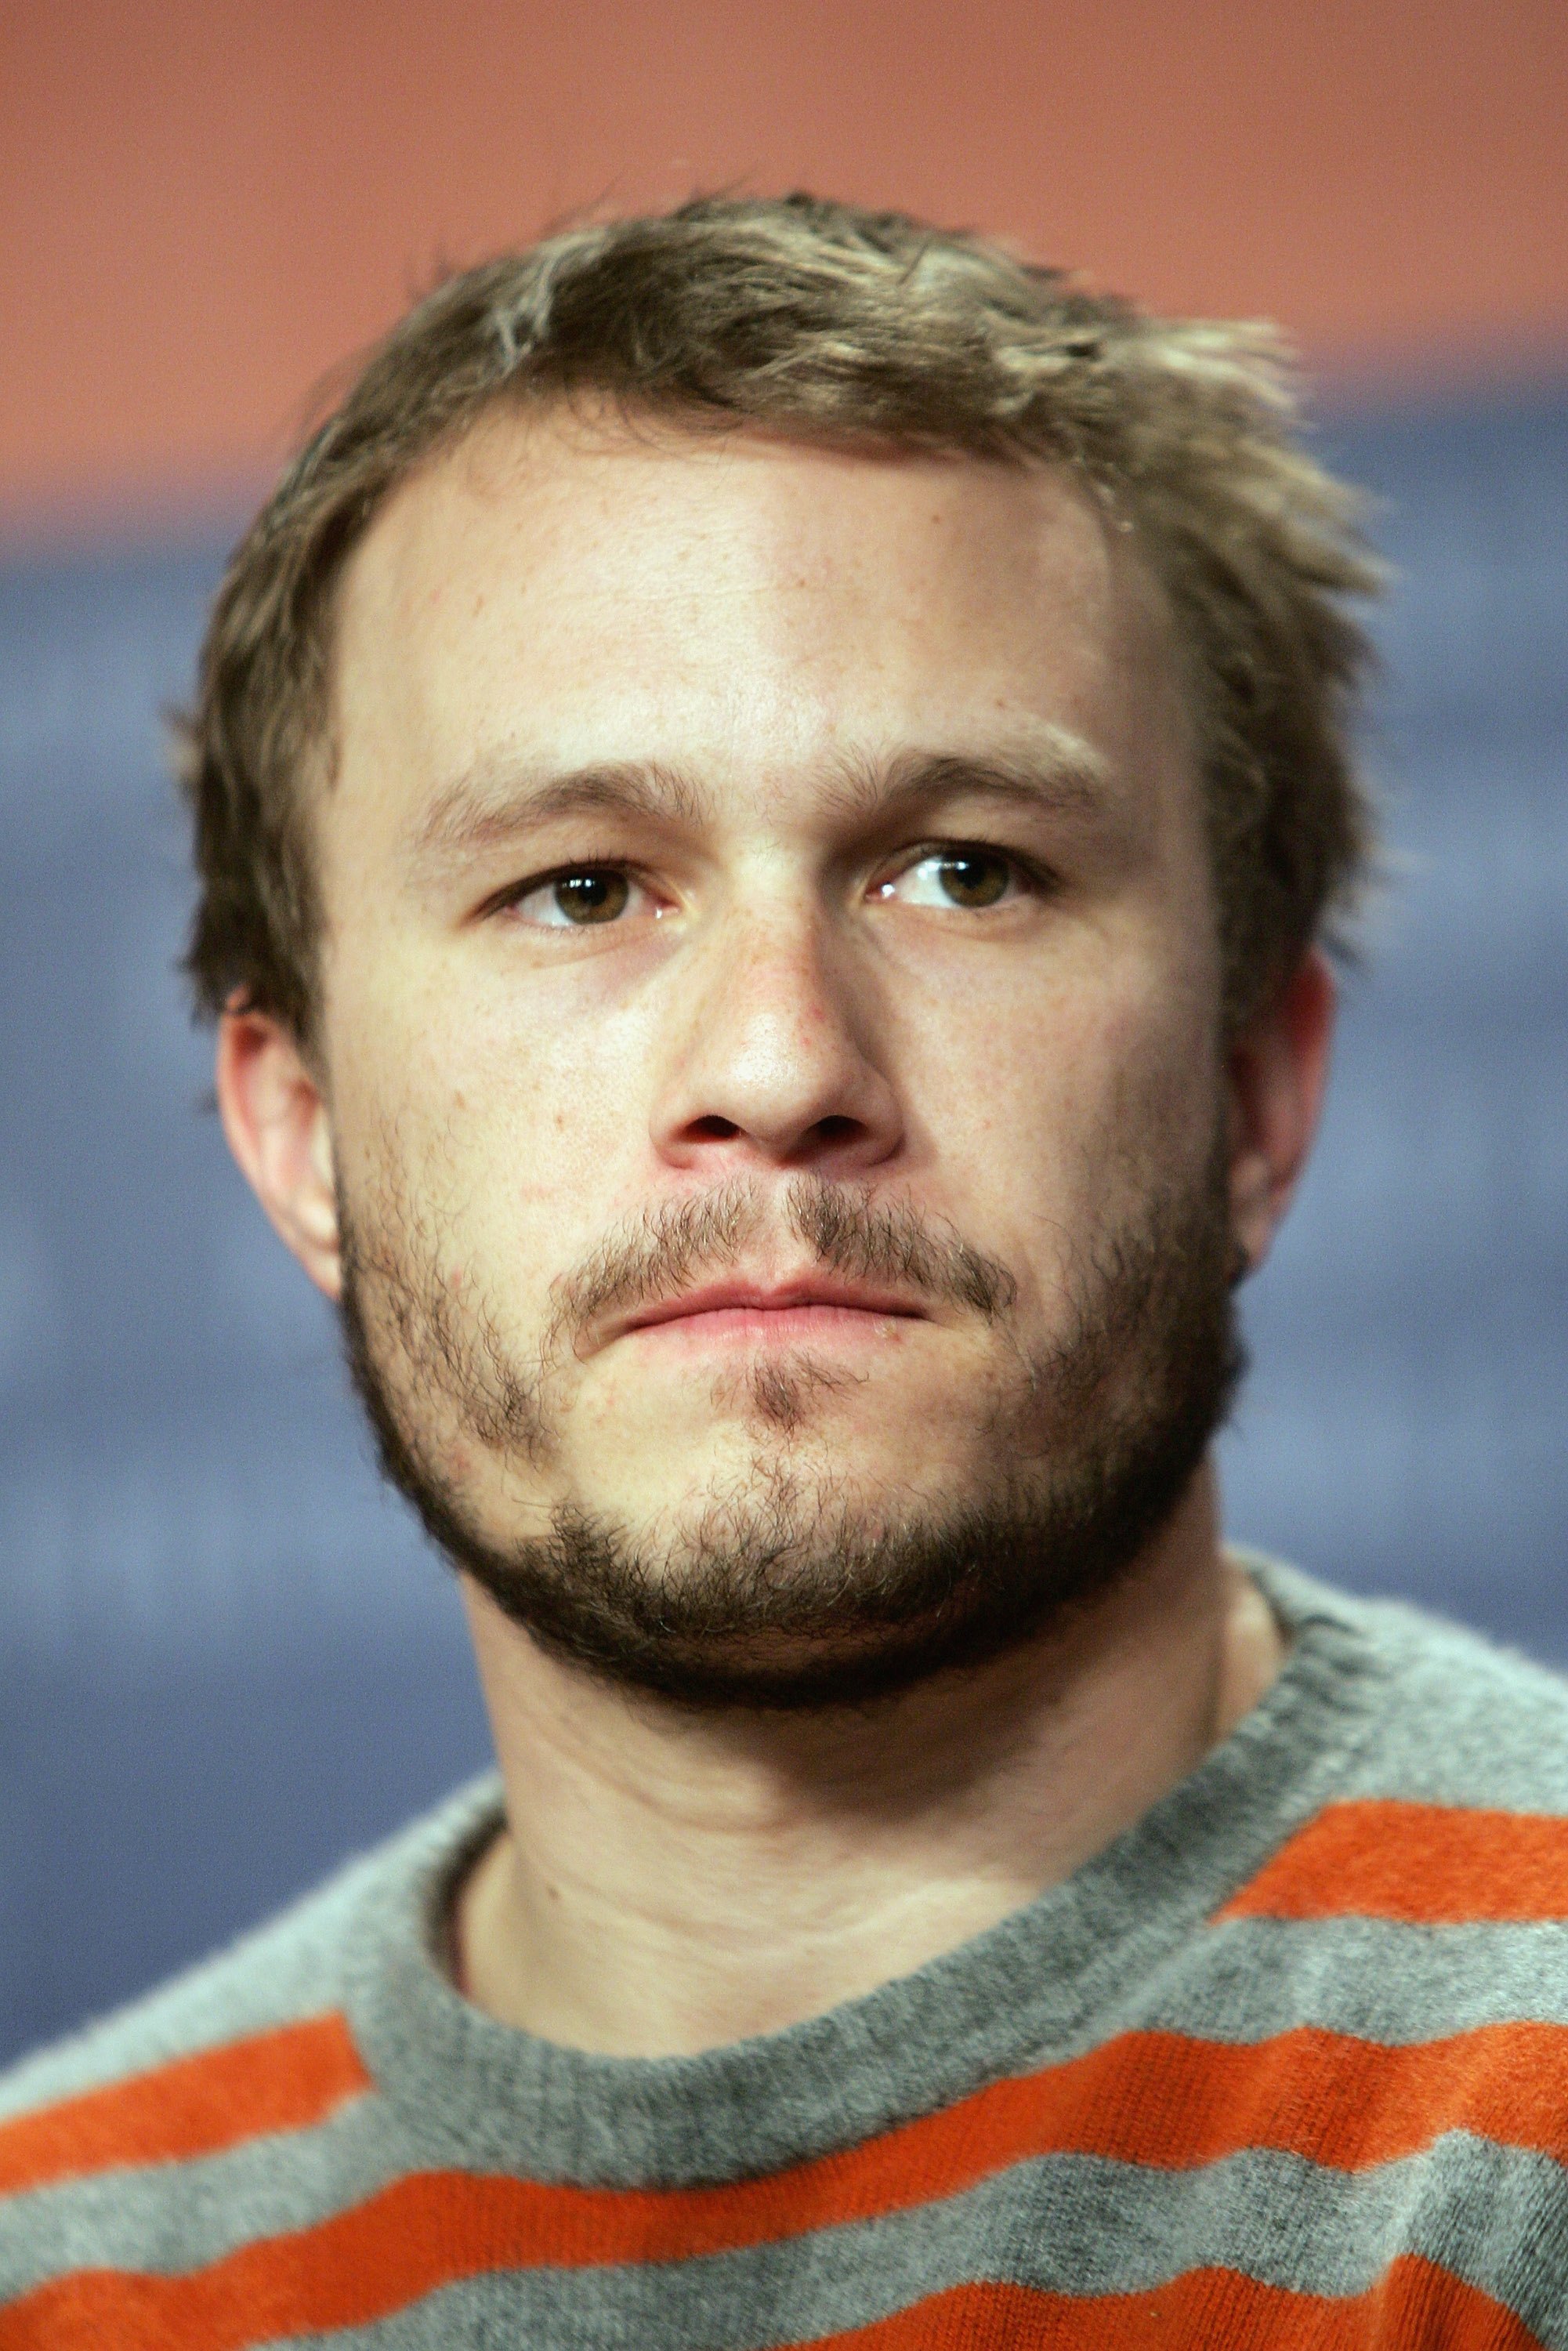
1287,2064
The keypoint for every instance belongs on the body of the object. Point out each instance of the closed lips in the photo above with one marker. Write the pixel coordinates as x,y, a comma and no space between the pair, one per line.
798,1302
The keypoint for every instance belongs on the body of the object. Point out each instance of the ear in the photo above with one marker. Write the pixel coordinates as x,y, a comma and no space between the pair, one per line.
1278,1067
278,1129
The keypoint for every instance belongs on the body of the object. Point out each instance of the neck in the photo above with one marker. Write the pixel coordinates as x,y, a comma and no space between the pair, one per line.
671,1881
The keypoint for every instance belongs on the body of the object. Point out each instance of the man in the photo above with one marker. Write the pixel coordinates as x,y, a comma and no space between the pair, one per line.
769,793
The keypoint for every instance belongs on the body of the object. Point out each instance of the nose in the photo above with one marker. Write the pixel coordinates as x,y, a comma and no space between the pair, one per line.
773,1061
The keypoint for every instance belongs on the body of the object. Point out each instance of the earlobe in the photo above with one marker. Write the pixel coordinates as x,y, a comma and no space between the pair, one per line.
278,1127
1278,1069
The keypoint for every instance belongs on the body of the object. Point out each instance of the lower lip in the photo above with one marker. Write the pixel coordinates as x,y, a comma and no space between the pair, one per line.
776,1325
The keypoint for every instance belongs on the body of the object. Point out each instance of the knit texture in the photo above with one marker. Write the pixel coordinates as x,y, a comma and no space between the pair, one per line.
1286,2064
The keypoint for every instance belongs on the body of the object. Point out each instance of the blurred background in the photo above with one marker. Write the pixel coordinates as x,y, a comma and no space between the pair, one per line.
225,1657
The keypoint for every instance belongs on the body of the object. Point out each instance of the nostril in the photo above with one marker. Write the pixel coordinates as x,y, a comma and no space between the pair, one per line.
837,1130
713,1130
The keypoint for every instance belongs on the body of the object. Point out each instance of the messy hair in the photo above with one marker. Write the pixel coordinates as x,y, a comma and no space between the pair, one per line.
823,321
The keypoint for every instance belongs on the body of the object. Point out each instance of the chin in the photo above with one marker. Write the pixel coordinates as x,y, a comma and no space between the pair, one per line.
856,1421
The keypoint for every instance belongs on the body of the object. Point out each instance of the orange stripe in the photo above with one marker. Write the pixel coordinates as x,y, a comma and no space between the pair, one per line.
283,2080
1203,2310
1414,2301
1429,1865
1157,2099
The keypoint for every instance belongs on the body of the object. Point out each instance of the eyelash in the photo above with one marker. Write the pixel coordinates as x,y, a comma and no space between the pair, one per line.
1035,877
516,892
1027,870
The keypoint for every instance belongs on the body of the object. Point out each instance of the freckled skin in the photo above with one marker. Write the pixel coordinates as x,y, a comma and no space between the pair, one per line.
744,610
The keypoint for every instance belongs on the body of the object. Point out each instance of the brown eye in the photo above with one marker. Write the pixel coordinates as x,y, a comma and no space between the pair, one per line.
974,877
580,898
971,876
597,895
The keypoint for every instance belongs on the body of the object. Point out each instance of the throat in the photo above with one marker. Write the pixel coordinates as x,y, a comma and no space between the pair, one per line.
668,1883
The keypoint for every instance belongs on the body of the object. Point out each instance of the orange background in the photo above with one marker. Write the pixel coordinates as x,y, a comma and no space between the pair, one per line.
205,203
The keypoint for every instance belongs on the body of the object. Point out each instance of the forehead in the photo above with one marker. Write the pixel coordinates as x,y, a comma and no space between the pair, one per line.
585,591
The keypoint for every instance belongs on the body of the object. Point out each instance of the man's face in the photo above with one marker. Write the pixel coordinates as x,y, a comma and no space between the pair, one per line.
769,1017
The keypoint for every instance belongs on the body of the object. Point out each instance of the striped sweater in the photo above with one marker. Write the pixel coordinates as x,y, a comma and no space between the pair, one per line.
1287,2064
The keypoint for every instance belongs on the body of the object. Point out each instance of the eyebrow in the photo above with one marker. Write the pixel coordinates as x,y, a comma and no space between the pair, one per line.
501,797
498,799
1050,767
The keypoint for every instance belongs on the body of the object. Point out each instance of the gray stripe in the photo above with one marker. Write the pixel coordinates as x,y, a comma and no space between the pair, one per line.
168,2218
1073,2225
1252,1978
1471,1725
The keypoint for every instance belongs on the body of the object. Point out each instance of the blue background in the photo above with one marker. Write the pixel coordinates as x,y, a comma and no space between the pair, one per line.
227,1657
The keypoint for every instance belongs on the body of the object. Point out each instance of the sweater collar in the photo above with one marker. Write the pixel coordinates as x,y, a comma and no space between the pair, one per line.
1051,1979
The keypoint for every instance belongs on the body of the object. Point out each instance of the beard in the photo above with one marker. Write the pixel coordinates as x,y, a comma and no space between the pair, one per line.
796,1588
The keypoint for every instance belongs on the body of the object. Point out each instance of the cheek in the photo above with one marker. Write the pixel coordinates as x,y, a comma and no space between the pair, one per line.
1064,1052
1054,1107
514,1141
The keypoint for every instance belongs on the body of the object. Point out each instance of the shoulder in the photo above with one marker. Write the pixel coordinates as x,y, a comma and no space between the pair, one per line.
1470,1723
1457,1720
1450,1806
291,1967
287,1969
152,2122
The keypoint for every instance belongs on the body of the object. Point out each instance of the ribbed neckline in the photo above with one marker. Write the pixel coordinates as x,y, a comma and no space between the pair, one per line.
1050,1977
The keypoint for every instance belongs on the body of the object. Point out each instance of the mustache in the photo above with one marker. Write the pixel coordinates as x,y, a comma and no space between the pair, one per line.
673,1245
